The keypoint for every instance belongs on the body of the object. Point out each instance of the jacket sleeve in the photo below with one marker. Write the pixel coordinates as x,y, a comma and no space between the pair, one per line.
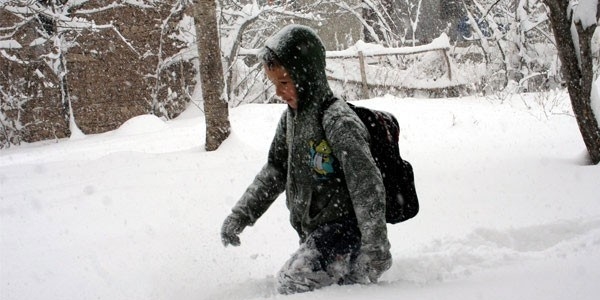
270,181
349,139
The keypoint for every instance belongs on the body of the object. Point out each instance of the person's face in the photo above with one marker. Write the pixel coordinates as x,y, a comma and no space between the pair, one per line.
284,85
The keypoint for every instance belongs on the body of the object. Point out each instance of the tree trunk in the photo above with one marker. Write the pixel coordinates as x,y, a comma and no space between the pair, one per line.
579,79
211,74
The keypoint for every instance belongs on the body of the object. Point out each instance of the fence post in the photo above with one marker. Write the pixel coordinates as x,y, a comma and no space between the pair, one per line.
445,54
363,75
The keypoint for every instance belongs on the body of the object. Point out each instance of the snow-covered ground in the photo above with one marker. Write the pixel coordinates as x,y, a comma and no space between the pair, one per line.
509,210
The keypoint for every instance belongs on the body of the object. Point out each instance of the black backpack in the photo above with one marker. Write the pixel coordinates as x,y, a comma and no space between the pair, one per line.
398,177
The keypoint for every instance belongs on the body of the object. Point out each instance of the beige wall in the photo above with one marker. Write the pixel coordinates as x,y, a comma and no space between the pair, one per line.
336,30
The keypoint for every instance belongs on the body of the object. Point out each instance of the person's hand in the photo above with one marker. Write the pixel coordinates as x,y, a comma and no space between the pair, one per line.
232,227
372,264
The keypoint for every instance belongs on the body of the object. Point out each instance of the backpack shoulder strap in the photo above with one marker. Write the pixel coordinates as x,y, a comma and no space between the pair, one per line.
325,105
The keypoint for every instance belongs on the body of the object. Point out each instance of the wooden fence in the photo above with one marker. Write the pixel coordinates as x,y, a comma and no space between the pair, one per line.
440,45
362,54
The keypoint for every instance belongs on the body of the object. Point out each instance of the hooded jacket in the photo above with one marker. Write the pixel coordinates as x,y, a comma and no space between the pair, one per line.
319,157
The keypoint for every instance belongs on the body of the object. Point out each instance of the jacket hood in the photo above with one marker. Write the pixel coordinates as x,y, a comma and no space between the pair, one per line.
302,53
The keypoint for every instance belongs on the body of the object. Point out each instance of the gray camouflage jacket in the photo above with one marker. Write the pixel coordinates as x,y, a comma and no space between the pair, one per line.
321,159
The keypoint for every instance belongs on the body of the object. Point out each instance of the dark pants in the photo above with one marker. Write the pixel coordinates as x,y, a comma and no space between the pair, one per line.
325,258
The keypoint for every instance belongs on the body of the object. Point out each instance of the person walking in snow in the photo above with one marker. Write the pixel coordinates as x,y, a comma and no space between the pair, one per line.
320,157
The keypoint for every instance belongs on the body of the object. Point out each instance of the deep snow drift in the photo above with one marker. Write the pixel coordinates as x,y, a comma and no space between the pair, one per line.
508,209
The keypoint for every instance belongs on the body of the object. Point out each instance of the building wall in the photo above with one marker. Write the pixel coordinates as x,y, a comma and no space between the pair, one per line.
106,81
29,91
112,83
339,29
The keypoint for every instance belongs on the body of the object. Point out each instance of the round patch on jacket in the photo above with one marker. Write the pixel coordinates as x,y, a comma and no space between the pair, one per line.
321,159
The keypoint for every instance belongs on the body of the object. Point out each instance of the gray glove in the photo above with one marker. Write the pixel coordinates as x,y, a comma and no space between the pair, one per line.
232,227
371,265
